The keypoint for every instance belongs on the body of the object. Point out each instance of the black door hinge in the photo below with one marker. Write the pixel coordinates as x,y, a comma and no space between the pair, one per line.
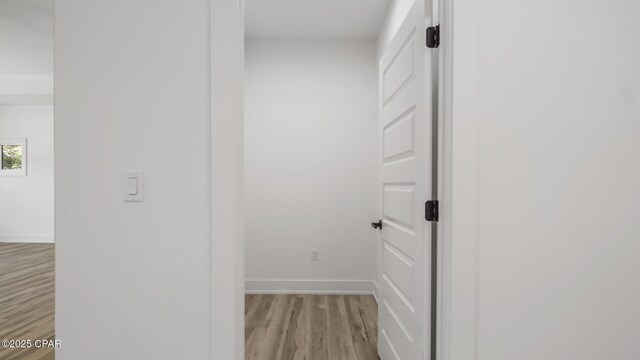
433,36
431,209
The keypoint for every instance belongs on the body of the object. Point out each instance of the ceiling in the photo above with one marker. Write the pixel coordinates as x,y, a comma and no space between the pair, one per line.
314,19
26,27
26,37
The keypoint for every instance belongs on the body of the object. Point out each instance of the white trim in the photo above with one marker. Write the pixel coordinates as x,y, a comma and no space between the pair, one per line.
26,85
458,235
226,32
444,179
376,291
432,77
301,286
26,238
26,99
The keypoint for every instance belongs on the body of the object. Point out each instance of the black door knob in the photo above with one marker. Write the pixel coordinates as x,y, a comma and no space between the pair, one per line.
377,225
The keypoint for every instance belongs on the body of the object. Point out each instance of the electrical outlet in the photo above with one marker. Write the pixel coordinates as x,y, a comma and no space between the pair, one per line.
315,254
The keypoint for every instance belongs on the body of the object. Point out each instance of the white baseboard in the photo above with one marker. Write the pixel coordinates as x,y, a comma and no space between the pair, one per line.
332,287
376,291
38,99
14,238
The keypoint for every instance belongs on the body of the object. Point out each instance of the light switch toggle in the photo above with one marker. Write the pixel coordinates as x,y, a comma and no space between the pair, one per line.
133,186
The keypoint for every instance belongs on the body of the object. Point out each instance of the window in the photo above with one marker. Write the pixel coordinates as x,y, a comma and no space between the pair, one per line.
13,153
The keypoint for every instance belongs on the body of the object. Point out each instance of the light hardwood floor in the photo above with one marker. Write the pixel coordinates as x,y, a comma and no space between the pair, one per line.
311,327
278,327
26,297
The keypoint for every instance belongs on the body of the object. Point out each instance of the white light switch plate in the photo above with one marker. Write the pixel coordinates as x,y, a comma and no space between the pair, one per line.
315,255
133,186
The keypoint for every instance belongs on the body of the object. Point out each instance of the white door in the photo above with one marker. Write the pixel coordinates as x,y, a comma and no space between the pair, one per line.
405,160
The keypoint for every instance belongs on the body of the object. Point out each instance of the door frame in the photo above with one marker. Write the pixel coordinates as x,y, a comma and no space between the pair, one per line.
444,180
457,178
226,20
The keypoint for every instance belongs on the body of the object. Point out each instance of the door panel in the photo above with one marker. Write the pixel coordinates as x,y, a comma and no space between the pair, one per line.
397,138
398,204
401,68
397,337
405,161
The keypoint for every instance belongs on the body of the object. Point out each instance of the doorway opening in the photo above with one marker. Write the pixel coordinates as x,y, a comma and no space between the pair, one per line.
27,279
337,167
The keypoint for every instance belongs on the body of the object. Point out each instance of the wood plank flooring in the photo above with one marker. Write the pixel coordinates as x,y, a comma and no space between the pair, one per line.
278,327
26,298
311,327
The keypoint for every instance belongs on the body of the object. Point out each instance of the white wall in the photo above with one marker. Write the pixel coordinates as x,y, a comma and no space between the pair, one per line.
26,39
26,214
310,163
546,140
26,45
133,280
